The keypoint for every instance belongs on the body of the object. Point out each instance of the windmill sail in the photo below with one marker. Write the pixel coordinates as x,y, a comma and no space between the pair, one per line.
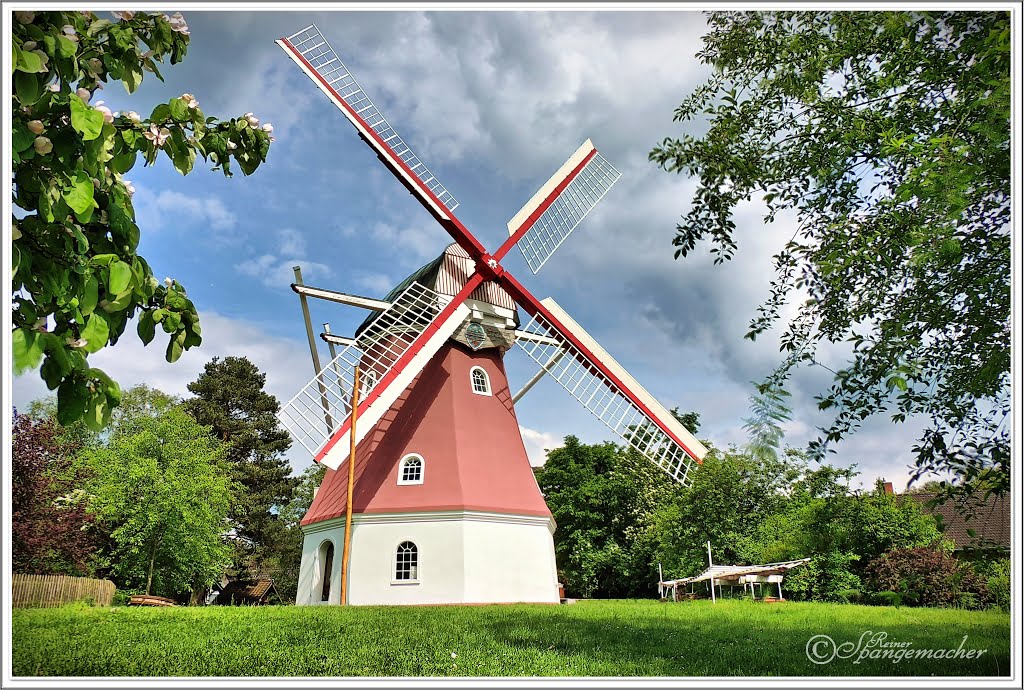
313,54
547,219
390,352
602,386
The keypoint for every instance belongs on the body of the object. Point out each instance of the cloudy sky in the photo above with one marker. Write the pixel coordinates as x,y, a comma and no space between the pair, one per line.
493,102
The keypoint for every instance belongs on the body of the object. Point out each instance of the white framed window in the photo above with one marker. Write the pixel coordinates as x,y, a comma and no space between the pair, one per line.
366,381
407,563
410,469
481,382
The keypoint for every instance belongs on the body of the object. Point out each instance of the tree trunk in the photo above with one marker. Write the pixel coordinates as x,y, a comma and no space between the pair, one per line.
152,560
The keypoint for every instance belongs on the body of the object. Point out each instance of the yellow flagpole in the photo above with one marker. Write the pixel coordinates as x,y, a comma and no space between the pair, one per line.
351,486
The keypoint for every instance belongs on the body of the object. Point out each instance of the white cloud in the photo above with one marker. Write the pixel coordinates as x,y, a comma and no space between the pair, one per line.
538,443
378,284
168,208
276,269
418,242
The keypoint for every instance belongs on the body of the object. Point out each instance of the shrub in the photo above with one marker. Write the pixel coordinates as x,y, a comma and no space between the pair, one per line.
825,578
926,576
996,575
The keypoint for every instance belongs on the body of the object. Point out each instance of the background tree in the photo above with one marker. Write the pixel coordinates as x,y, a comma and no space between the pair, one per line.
77,277
161,489
229,398
281,555
51,532
887,134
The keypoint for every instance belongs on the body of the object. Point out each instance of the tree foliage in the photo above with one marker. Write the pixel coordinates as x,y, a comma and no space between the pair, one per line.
229,398
51,532
77,276
160,488
887,135
601,497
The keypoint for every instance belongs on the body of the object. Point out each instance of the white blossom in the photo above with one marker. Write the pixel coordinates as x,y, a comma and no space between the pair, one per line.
168,282
190,100
84,94
232,145
54,87
36,126
70,33
267,127
253,121
133,116
129,187
25,17
75,342
157,136
107,115
42,145
125,15
95,183
177,23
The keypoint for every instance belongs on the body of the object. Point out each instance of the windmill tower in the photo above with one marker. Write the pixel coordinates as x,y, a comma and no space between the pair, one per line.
445,505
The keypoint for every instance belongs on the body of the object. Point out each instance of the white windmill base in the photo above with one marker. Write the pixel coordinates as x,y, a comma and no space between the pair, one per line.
464,557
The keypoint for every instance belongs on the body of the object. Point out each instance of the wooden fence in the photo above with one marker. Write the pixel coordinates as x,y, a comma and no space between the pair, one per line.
56,590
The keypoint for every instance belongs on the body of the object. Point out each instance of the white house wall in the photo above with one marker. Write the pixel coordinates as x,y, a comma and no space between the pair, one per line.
464,557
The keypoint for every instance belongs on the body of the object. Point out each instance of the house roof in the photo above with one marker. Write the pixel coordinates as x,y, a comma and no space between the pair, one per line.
989,519
734,571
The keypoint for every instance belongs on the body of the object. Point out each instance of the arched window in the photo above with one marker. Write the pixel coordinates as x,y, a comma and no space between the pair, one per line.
407,562
480,380
366,381
326,566
410,470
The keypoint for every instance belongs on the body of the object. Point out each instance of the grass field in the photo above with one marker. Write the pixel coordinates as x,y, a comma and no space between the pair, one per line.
590,638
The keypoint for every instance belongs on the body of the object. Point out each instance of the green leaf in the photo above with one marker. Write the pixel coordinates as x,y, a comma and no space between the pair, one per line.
90,295
72,397
131,78
146,327
111,387
28,61
28,88
96,332
179,110
104,259
175,347
119,303
160,114
26,350
85,120
98,413
66,47
15,260
79,196
120,277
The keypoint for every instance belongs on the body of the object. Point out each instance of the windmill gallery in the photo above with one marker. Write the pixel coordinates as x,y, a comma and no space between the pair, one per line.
444,504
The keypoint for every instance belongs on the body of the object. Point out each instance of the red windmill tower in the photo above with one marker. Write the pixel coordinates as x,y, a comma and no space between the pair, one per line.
445,505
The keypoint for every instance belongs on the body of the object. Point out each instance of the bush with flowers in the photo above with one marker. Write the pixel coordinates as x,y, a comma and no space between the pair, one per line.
77,277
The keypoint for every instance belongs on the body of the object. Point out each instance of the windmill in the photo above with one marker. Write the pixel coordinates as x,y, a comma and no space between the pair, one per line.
445,505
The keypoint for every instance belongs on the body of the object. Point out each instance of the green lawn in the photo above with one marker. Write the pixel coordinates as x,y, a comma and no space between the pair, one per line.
591,638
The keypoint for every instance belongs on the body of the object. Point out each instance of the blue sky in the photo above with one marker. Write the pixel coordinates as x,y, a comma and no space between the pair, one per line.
493,102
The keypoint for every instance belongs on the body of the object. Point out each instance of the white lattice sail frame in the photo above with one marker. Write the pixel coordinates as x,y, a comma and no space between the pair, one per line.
606,400
375,350
574,202
313,47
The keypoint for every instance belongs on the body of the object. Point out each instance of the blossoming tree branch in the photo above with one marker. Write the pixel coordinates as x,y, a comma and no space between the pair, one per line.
77,278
